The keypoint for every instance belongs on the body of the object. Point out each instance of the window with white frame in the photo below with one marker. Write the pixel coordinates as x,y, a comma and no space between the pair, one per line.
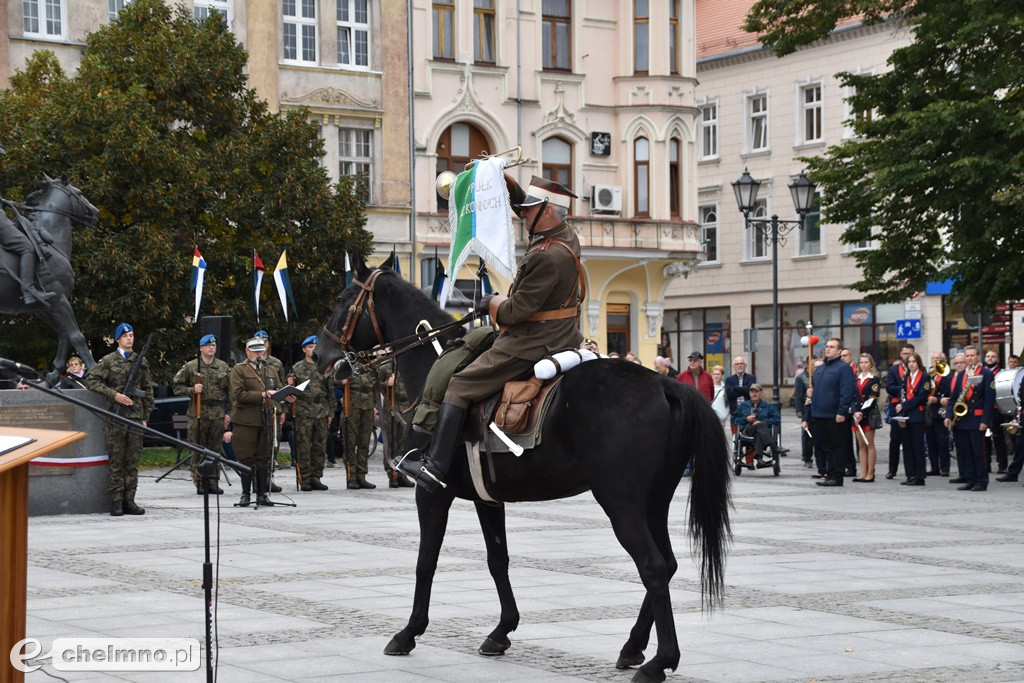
204,8
810,114
852,118
758,233
355,154
642,177
810,229
862,245
299,30
757,122
354,33
709,130
113,7
43,18
709,230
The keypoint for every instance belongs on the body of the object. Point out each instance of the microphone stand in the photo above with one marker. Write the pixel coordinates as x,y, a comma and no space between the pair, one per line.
208,459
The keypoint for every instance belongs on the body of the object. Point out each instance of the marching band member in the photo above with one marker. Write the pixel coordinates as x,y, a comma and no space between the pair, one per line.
917,385
936,434
893,382
870,419
970,415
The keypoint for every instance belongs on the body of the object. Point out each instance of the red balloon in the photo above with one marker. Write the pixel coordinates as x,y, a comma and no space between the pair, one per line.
813,339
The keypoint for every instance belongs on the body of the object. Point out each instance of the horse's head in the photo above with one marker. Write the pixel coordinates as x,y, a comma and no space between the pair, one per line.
58,196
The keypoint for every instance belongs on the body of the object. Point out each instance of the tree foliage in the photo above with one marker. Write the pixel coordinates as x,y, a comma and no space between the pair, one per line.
160,131
934,175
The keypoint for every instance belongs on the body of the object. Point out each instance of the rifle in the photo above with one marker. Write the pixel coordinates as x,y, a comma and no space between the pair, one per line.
130,389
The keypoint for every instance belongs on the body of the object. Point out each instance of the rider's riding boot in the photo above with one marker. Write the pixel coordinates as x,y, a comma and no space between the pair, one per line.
28,274
261,487
428,469
243,502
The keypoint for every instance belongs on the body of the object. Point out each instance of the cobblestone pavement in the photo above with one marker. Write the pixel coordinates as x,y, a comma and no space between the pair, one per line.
871,582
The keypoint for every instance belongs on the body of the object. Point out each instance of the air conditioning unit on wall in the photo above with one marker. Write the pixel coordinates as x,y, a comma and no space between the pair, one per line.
606,198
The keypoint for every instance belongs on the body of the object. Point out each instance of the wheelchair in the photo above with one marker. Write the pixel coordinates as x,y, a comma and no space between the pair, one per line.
743,456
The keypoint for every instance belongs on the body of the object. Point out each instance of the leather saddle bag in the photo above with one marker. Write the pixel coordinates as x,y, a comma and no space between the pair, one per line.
514,408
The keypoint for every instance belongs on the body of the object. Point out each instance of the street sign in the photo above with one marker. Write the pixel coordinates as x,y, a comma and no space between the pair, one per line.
912,315
908,329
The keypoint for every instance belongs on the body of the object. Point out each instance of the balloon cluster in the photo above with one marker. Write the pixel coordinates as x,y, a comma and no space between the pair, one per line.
809,340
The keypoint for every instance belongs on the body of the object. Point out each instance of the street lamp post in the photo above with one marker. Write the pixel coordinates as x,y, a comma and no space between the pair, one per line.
802,190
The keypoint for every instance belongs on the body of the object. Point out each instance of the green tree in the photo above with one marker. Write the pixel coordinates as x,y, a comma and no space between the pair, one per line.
160,131
934,175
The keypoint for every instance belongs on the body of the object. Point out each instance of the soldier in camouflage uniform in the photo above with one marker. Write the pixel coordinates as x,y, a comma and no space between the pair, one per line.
108,377
394,396
312,411
360,427
276,368
205,381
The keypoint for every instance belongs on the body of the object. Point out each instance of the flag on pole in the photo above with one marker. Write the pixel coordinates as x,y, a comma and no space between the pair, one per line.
348,270
396,261
257,280
480,217
284,285
198,272
485,280
439,278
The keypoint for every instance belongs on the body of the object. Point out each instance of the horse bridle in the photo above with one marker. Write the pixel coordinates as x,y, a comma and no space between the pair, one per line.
77,200
371,358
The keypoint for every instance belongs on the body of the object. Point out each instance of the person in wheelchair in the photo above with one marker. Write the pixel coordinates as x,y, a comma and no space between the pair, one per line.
755,420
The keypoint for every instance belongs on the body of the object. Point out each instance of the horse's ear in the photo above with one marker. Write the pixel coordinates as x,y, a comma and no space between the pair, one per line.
359,265
47,178
64,178
389,262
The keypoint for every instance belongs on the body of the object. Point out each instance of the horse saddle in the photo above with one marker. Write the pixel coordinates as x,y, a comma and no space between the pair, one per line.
518,412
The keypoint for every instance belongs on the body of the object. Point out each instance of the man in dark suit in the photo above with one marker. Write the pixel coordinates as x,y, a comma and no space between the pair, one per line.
539,317
969,430
737,385
893,382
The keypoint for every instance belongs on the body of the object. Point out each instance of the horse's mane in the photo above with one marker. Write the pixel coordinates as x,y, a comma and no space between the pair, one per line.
43,187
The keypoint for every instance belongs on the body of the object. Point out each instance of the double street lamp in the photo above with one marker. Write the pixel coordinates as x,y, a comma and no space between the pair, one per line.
775,230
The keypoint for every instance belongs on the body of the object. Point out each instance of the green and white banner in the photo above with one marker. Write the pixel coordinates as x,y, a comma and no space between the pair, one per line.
480,217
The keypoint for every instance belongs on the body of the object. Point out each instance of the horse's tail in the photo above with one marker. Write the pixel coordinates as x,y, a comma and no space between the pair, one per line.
696,428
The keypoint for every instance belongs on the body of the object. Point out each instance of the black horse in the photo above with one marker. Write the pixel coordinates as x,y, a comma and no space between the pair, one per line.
617,429
54,207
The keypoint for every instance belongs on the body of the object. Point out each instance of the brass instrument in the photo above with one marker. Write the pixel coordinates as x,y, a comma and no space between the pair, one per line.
445,180
941,369
960,407
1012,428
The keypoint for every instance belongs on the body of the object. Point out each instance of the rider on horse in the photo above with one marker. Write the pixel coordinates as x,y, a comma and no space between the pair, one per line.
24,246
539,317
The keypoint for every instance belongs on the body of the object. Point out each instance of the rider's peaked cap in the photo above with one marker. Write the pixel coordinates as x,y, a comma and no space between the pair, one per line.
541,189
255,344
121,329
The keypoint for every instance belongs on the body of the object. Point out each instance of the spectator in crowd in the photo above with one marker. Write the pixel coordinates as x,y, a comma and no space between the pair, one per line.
831,399
936,434
893,384
737,385
846,355
663,366
74,377
755,419
718,403
974,401
869,417
917,386
1012,361
801,383
696,376
590,345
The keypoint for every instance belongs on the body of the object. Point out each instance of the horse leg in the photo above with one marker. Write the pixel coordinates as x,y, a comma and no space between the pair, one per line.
632,653
432,509
655,570
492,523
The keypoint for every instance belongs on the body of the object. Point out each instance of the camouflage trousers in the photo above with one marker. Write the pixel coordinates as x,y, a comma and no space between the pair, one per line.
357,446
123,449
393,437
208,433
311,443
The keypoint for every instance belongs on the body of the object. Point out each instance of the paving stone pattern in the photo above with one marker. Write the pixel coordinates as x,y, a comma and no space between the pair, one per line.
871,582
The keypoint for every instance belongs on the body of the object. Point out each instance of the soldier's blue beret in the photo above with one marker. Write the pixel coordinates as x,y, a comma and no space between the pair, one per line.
121,329
207,339
311,339
262,334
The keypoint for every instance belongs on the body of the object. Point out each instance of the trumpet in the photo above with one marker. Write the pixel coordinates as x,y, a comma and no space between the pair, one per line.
1012,428
445,179
941,369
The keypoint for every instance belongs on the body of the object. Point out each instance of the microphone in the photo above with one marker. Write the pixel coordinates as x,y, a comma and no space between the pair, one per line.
260,362
16,367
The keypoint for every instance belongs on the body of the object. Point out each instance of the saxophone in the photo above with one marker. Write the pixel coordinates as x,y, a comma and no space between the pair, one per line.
960,407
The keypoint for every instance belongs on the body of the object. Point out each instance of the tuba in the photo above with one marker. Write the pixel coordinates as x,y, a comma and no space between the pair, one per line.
445,179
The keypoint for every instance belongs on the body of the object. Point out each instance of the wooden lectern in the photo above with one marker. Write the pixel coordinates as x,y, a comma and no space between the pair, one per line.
14,531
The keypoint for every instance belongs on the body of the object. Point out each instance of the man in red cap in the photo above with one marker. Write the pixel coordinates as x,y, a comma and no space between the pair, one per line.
539,316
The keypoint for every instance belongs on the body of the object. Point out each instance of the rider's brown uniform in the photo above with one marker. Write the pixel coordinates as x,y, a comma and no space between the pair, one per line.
547,280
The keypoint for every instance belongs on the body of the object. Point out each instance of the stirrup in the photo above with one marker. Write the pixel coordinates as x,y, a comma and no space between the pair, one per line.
424,470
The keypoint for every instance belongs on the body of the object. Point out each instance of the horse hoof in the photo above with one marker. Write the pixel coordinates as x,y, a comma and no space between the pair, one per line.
625,662
494,648
397,648
643,677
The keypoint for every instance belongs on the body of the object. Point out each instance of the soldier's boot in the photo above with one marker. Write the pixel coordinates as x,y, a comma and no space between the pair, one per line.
428,469
243,501
363,484
317,485
351,483
130,508
261,488
116,508
273,488
29,294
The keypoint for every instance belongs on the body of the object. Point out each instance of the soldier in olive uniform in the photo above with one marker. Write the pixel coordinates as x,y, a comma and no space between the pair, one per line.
276,367
205,381
108,377
251,387
360,426
539,317
394,397
312,411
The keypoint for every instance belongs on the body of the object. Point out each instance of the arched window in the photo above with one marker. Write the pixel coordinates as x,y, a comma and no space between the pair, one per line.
674,177
557,159
642,177
458,145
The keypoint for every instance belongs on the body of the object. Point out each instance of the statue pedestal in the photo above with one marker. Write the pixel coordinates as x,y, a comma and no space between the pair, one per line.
71,480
